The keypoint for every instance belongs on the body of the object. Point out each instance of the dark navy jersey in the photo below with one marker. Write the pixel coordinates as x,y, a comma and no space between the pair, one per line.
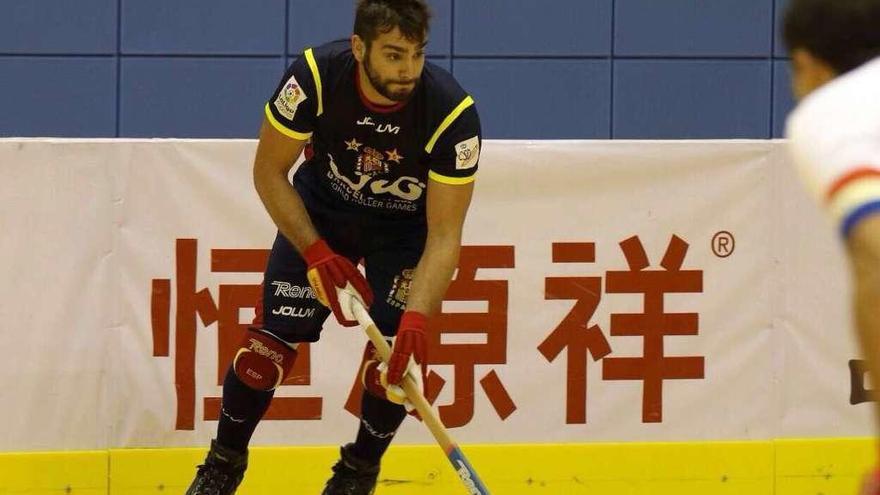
370,159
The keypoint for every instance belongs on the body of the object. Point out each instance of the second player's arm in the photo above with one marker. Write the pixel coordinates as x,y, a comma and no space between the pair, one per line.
446,208
276,154
864,249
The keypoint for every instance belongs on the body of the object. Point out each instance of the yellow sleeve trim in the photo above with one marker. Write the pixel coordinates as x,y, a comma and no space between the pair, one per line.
455,181
468,101
284,130
310,58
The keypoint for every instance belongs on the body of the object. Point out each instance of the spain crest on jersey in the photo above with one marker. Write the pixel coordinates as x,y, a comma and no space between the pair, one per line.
399,292
371,162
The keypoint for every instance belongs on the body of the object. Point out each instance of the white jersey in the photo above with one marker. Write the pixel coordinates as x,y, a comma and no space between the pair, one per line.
834,139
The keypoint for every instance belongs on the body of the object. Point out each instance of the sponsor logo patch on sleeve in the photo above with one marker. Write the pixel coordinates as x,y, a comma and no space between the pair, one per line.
467,153
289,98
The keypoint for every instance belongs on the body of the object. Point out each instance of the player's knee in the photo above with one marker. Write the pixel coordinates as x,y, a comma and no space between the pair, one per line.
262,362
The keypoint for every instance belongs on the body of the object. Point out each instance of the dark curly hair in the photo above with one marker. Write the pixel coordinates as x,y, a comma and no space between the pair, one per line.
375,17
843,33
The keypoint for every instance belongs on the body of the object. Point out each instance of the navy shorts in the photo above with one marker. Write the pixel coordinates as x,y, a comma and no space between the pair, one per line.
390,251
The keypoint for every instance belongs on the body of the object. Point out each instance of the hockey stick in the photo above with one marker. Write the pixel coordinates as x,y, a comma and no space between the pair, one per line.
459,462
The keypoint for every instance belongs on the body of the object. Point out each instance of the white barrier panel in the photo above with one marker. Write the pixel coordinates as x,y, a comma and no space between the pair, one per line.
608,291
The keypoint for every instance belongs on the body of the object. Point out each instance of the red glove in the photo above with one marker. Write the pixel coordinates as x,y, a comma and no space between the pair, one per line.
871,485
410,342
327,271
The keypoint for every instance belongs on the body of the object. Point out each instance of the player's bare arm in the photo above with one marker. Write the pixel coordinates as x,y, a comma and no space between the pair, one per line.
864,249
276,154
446,208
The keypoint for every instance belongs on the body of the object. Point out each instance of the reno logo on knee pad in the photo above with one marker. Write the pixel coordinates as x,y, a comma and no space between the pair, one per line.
262,350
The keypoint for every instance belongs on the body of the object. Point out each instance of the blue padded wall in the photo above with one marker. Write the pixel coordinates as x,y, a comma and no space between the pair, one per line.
312,22
779,50
58,96
783,99
223,27
58,27
693,28
537,68
540,99
532,27
195,97
671,99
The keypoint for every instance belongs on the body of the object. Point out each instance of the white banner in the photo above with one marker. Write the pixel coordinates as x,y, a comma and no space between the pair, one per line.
608,291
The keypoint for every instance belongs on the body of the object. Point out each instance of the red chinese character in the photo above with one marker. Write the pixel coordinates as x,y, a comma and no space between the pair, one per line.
191,303
654,324
465,356
492,323
573,332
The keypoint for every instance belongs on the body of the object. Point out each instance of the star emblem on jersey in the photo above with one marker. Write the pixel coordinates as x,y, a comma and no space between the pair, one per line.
394,156
353,145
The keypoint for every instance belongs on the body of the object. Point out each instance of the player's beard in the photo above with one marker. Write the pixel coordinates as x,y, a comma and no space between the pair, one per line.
383,86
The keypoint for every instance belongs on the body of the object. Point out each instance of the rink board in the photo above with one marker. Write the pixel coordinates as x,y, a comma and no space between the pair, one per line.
782,467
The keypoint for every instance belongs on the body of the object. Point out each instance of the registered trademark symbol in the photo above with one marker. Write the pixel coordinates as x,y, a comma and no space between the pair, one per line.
723,244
